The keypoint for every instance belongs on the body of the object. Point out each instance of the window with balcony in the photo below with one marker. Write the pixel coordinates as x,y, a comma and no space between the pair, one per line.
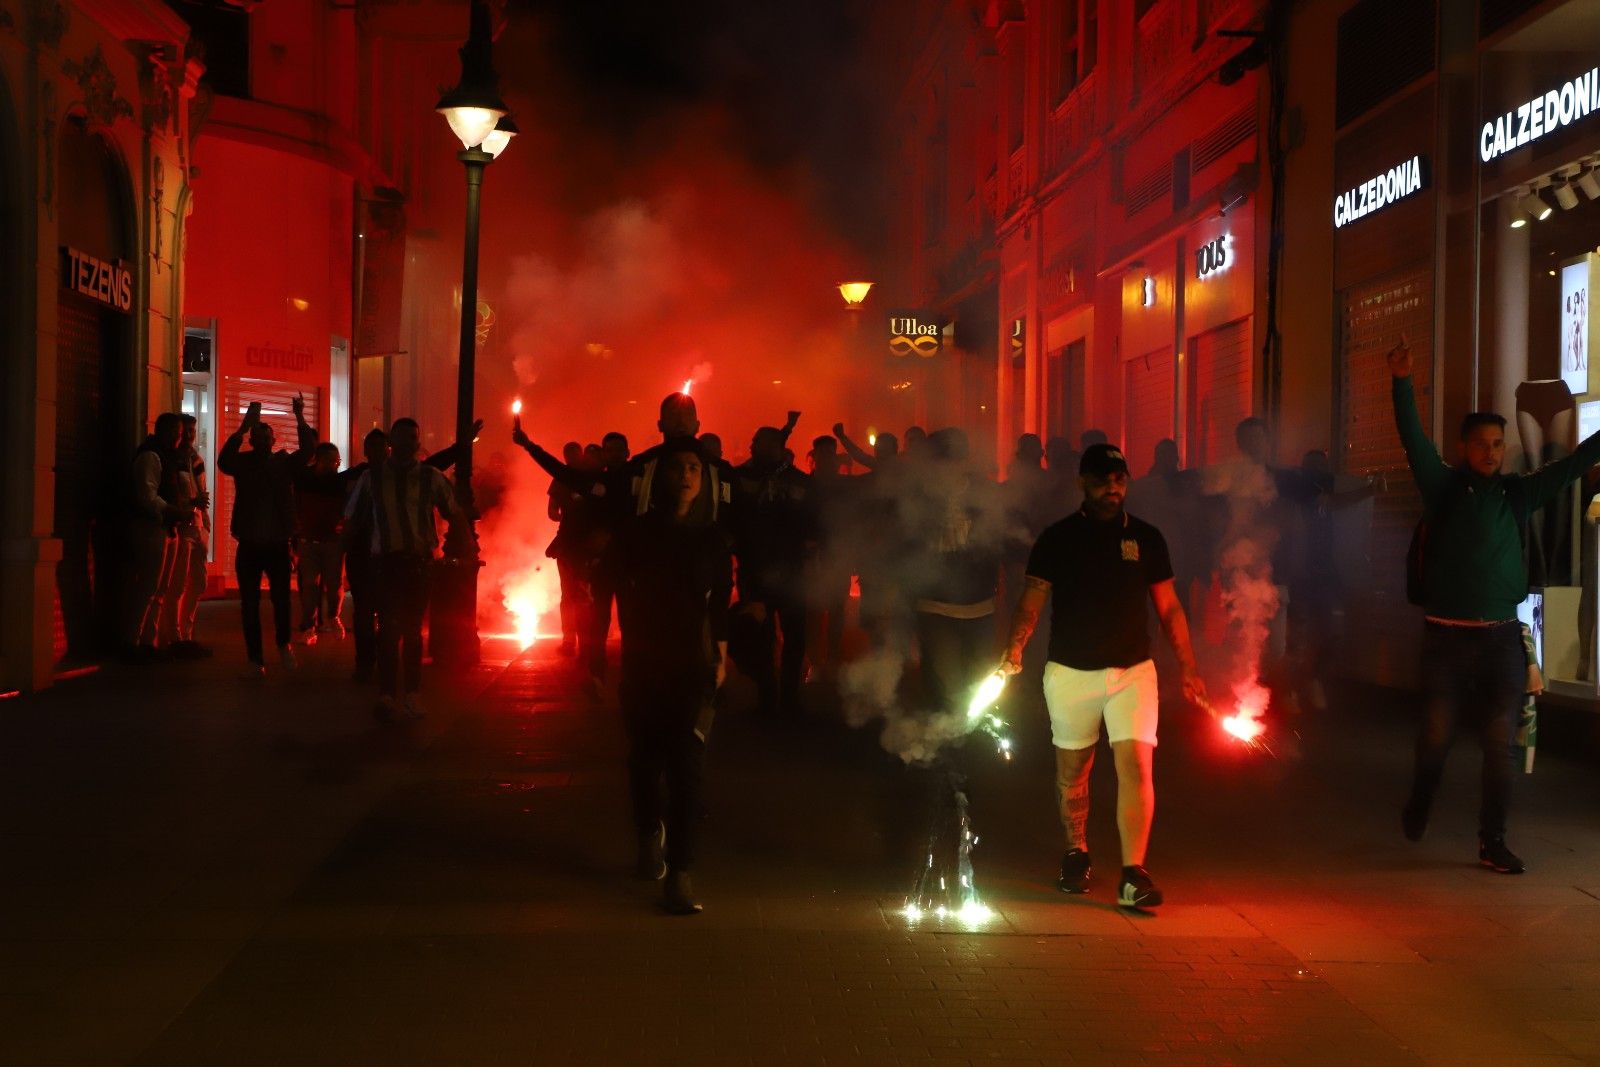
1077,25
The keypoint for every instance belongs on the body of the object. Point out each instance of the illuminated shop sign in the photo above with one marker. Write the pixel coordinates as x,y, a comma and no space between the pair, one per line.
106,283
915,331
1543,114
1213,257
1019,336
271,357
1375,194
1147,291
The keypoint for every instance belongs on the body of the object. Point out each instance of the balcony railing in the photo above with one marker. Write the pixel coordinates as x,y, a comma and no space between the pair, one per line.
1071,126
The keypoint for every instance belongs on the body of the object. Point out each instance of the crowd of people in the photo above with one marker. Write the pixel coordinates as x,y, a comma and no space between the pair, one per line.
708,564
293,510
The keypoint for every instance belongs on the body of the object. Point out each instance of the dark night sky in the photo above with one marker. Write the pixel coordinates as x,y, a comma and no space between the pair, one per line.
788,79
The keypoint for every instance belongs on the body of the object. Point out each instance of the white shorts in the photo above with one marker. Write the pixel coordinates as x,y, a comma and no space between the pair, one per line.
1126,698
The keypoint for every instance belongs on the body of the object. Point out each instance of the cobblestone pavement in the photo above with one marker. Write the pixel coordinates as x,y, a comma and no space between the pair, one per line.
201,870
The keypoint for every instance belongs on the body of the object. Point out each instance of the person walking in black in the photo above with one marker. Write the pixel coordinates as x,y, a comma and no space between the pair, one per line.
263,524
320,490
775,524
672,576
1472,576
396,499
1098,568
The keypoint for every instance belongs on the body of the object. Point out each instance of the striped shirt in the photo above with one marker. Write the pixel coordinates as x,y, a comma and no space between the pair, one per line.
398,502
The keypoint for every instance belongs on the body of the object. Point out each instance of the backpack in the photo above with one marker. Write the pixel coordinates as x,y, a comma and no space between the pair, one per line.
1416,551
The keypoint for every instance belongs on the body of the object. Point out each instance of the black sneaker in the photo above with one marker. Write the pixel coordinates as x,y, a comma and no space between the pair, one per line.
1137,890
652,867
677,895
1413,821
1493,854
1075,871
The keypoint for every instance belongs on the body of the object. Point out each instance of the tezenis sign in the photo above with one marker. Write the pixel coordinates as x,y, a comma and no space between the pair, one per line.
1375,194
107,283
1539,116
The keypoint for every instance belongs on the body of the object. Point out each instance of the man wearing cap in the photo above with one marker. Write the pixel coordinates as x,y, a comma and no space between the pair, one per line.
1100,563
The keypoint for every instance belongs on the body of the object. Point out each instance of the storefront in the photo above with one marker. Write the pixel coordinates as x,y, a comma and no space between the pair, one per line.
94,128
285,333
1537,147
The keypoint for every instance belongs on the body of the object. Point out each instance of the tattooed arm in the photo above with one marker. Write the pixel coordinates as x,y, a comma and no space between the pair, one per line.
1035,591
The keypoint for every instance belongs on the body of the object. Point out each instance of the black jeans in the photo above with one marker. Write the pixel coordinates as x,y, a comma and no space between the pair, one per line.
778,685
402,602
362,574
1478,675
599,629
955,654
660,719
250,562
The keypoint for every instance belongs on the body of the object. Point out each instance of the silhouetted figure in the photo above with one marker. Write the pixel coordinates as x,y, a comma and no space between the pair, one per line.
672,578
187,583
776,524
263,524
319,499
158,508
399,498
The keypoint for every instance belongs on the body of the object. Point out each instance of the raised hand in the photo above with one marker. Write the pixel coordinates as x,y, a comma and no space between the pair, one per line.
1399,358
299,406
518,438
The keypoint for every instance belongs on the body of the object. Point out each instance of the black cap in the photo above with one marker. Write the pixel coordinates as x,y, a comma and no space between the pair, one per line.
1102,461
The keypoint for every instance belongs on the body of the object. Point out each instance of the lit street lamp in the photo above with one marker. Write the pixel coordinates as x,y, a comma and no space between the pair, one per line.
479,119
855,294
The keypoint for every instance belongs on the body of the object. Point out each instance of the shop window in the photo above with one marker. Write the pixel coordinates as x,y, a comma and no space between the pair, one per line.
1384,46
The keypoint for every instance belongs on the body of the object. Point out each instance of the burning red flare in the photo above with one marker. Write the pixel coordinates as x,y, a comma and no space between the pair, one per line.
687,386
516,406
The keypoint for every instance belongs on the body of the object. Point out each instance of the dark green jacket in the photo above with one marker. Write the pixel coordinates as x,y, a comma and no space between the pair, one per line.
1472,562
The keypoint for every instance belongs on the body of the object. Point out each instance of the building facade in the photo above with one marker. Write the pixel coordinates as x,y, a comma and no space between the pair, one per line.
1439,187
96,103
1082,194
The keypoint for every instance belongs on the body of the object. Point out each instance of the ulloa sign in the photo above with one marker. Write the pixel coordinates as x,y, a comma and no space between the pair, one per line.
911,331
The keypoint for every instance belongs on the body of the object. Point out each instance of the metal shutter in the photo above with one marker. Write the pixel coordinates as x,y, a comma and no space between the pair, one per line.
1148,399
277,410
82,351
1220,394
1372,316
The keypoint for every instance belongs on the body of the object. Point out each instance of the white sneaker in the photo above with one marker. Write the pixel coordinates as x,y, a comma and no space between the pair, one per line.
412,707
287,657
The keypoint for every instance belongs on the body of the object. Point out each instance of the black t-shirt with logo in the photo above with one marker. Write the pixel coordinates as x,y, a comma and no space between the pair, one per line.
1100,574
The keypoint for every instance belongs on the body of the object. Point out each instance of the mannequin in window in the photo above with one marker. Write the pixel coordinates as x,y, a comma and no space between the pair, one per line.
1547,420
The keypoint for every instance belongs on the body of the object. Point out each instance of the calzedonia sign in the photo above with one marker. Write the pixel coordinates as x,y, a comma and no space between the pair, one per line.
1544,114
104,282
1378,192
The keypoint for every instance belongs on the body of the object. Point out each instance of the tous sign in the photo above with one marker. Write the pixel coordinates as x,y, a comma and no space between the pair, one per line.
1214,257
1541,115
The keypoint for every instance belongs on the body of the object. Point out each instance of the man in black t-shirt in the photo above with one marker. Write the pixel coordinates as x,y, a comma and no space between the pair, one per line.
1097,566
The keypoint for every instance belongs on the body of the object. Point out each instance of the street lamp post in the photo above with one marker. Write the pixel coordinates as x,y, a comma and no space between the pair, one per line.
855,294
478,117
